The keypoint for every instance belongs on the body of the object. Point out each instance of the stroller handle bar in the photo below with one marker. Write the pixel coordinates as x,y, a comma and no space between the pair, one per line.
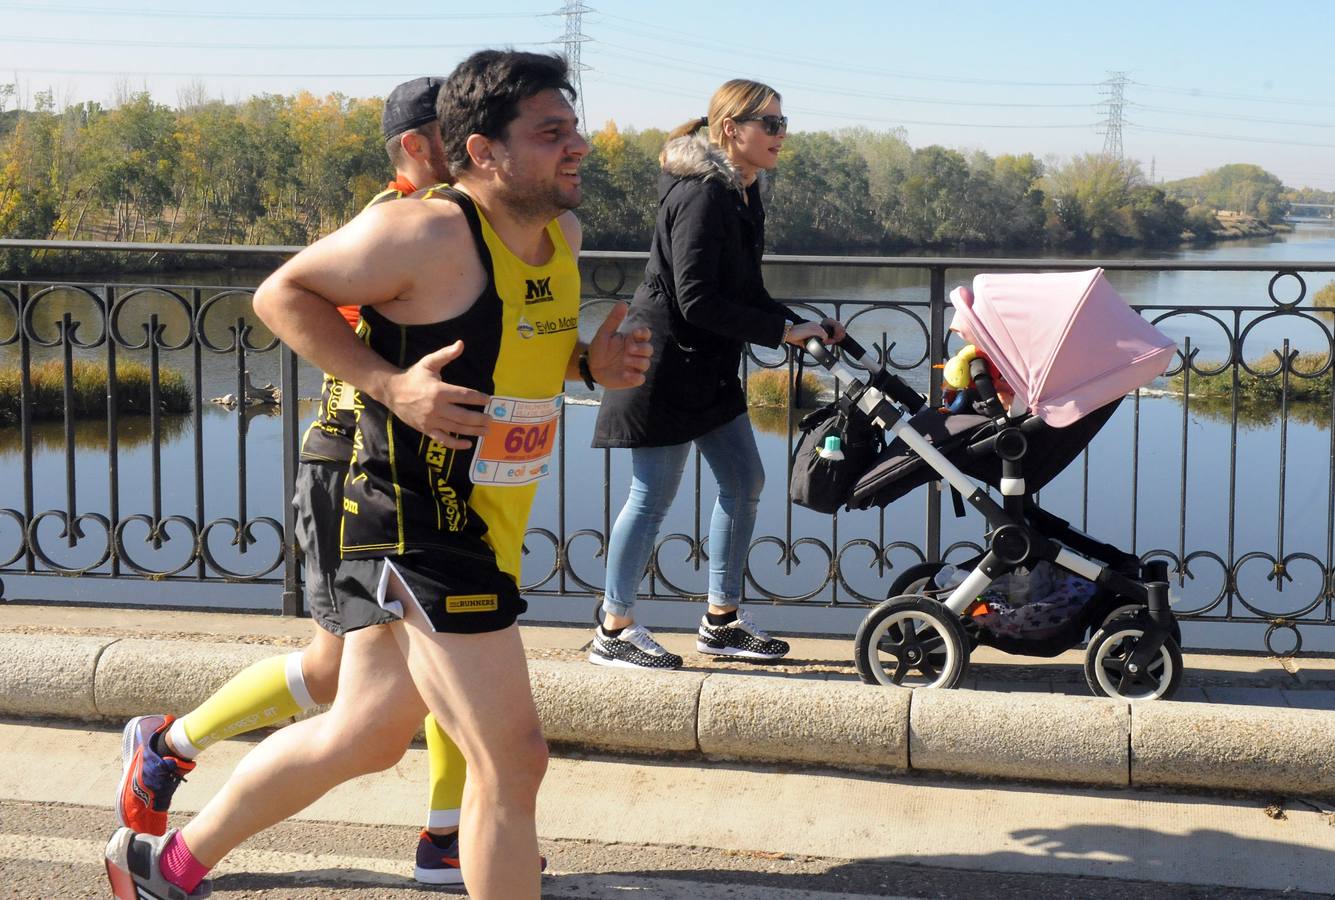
887,382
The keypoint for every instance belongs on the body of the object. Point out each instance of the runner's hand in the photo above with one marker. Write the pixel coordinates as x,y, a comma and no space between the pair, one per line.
617,359
438,409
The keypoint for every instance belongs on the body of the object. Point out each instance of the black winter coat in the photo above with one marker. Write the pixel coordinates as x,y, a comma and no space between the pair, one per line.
704,299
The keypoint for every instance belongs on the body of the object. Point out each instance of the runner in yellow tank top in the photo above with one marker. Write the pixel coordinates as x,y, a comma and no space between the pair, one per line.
275,689
513,144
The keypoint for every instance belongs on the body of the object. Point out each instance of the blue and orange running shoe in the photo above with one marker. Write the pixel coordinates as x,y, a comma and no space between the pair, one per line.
437,865
440,865
147,779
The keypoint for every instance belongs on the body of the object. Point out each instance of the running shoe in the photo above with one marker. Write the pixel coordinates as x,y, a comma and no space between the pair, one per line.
437,865
634,648
147,779
741,638
440,865
133,869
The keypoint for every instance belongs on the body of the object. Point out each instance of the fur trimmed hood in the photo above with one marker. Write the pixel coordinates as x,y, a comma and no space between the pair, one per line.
693,156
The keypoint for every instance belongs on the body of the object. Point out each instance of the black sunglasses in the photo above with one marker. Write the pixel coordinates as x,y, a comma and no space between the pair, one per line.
772,124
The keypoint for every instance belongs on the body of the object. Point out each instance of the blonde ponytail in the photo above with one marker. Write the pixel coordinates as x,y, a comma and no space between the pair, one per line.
682,130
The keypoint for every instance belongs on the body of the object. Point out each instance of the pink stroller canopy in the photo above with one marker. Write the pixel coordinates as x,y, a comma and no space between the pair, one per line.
1065,341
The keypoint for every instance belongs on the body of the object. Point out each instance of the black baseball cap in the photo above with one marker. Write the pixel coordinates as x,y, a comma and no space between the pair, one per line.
409,105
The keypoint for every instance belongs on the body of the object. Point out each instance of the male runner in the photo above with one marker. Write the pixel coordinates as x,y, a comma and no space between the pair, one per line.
157,751
483,280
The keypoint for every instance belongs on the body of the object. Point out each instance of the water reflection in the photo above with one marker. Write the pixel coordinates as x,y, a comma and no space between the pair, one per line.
91,434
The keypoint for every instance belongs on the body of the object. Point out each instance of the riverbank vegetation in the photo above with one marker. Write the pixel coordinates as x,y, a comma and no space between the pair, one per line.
284,170
771,387
1266,387
1325,296
89,390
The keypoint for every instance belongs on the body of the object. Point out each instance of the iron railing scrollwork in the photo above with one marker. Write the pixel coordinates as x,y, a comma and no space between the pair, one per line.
218,527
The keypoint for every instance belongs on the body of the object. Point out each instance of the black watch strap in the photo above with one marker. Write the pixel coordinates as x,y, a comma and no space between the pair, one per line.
585,372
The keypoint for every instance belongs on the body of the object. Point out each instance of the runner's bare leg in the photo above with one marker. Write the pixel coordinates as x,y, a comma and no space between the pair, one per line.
478,689
373,719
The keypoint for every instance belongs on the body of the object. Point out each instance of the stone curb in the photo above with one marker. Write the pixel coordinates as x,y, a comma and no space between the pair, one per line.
764,718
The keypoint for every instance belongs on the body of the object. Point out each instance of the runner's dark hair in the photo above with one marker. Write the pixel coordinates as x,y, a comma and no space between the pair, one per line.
482,96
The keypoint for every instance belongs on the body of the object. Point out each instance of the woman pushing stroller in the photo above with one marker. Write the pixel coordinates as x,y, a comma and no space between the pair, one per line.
704,298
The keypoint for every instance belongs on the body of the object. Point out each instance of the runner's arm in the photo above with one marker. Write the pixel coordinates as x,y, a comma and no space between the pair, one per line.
370,261
615,360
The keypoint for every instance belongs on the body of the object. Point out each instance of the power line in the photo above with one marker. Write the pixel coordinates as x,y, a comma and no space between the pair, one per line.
1229,116
142,74
1221,95
656,32
646,57
210,45
233,14
834,114
1231,137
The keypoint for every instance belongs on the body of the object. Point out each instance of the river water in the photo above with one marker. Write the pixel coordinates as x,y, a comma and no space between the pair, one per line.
1266,488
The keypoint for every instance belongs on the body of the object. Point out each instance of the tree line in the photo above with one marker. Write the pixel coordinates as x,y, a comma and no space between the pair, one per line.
278,169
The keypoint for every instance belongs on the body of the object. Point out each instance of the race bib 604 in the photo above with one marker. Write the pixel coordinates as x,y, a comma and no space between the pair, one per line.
518,445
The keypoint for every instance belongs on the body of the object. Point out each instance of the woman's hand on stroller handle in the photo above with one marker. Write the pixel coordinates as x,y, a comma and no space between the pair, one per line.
802,333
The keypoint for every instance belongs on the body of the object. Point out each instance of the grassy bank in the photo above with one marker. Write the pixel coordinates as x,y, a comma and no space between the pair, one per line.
770,387
1256,388
90,390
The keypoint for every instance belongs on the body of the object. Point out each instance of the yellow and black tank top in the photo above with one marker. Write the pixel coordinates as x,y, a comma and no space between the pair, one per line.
328,440
405,491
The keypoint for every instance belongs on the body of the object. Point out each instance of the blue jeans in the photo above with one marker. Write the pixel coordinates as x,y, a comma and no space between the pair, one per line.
730,451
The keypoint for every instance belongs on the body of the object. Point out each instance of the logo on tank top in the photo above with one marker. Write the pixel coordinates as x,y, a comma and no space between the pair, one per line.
538,290
528,329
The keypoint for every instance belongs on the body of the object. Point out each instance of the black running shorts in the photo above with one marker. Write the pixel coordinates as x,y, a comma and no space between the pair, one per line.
458,594
318,502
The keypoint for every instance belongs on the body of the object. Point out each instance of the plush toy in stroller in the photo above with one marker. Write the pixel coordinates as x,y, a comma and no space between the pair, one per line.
1066,348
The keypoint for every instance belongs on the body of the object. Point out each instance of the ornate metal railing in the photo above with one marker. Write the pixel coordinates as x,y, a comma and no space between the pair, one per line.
215,511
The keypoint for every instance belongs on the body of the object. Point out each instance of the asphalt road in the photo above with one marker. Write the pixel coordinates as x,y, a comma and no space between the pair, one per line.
50,850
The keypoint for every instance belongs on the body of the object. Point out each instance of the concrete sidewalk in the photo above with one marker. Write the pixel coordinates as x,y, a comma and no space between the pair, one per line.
1239,679
1265,726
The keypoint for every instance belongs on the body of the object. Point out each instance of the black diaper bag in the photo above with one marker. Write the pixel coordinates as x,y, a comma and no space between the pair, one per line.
823,484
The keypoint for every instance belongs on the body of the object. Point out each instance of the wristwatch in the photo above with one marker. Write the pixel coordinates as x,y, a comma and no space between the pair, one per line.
585,372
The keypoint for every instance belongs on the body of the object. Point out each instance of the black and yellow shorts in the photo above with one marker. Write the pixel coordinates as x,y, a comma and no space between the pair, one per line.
457,594
318,504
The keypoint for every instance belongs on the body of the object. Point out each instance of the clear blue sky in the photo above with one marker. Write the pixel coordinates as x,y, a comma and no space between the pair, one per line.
1210,82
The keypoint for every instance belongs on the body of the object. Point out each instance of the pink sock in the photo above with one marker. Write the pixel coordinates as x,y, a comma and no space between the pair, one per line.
179,865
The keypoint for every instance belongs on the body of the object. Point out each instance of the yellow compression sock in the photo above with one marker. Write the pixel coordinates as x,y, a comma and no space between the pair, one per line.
261,694
448,772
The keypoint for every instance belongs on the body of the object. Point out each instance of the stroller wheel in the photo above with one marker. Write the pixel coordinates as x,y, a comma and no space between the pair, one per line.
1106,656
1135,610
911,641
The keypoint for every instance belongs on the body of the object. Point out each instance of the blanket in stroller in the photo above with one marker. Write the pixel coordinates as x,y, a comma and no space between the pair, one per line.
1033,605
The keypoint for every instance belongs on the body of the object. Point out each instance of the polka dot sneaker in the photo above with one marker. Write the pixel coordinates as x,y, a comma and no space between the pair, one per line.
633,648
740,638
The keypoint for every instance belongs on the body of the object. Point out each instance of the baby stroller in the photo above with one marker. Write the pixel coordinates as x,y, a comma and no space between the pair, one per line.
1069,348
